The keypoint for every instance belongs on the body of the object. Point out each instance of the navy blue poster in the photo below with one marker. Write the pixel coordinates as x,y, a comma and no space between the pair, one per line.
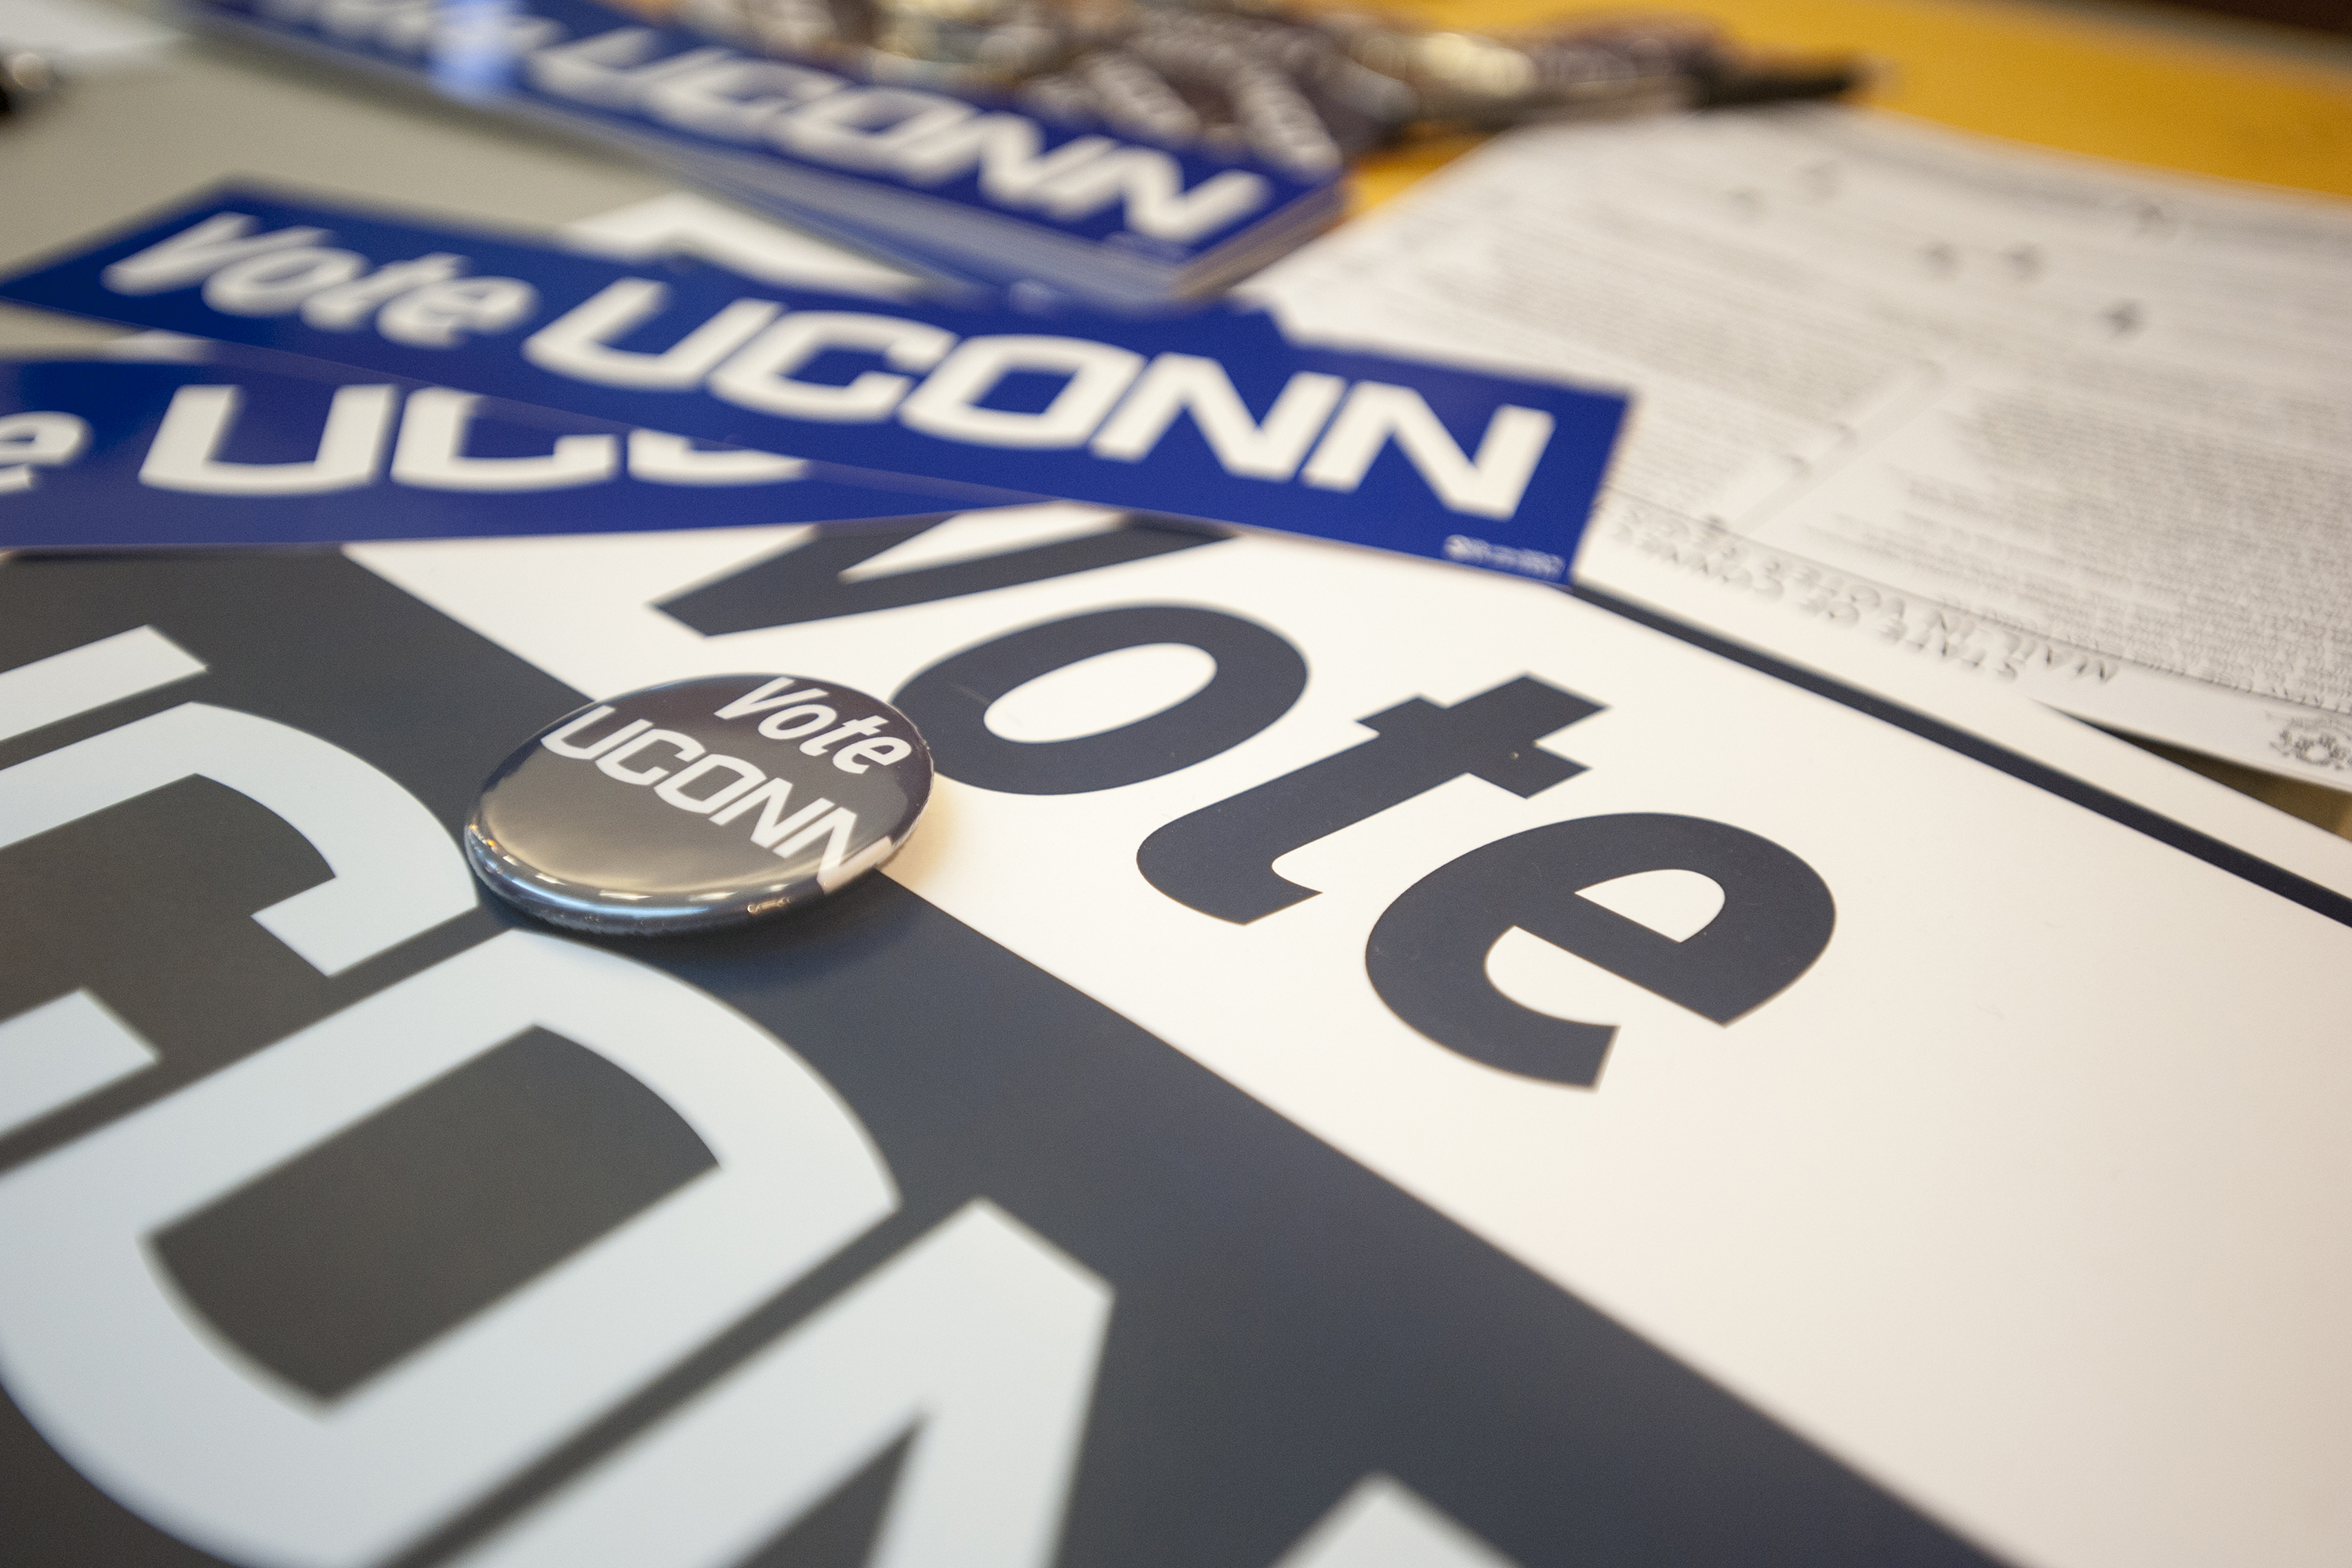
408,1233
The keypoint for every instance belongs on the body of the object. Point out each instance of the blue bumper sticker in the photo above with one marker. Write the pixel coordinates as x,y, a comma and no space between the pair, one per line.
958,184
103,453
1212,415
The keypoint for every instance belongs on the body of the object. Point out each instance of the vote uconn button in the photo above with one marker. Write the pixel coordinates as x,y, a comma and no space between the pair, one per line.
699,803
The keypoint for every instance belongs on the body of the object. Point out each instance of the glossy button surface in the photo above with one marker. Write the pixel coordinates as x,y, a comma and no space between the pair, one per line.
699,803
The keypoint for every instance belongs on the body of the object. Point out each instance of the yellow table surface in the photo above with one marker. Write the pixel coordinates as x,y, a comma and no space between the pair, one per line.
2062,79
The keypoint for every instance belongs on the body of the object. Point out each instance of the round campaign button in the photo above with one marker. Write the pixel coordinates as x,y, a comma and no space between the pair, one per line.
699,803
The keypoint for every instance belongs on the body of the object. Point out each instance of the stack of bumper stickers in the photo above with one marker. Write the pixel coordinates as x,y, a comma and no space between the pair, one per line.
962,185
466,342
1122,153
211,445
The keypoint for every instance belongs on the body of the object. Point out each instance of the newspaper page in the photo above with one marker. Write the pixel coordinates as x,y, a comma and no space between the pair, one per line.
2070,427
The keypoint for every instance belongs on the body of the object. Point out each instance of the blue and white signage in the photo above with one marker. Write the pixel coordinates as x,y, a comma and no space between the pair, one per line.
225,451
949,183
1212,415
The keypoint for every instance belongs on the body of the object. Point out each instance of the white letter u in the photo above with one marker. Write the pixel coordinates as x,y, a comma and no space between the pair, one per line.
183,456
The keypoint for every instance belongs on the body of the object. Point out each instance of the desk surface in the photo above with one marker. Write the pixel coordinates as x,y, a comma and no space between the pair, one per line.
2229,100
2144,84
